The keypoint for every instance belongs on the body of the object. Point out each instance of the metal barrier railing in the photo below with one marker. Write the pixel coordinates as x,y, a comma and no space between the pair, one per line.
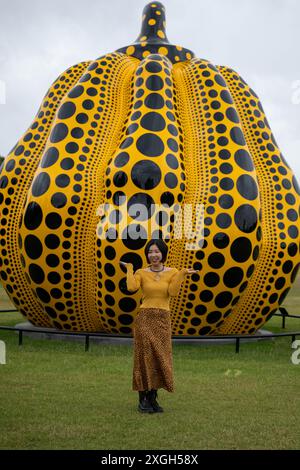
87,335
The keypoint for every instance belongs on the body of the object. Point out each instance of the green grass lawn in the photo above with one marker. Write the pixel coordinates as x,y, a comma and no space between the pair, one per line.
54,395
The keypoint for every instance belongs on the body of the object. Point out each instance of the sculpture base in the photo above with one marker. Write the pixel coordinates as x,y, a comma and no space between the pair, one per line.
45,333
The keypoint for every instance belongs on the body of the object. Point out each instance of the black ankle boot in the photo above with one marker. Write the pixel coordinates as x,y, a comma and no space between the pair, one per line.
152,395
144,403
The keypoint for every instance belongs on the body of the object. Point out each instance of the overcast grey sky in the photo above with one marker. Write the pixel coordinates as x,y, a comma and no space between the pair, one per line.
39,39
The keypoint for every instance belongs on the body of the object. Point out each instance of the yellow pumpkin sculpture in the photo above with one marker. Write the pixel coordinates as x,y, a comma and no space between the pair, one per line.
148,125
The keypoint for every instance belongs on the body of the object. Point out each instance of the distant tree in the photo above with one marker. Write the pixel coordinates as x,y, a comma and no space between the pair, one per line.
1,159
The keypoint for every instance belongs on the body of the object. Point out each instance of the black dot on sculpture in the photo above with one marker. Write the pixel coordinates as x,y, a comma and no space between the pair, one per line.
247,187
153,67
59,132
241,249
121,159
33,216
150,145
41,184
245,218
33,246
36,273
127,304
154,83
233,277
66,110
237,136
52,241
154,101
146,174
58,200
153,121
223,299
77,91
140,206
53,220
50,157
244,160
134,236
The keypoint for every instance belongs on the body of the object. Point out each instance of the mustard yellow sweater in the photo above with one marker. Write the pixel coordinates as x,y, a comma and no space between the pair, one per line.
155,293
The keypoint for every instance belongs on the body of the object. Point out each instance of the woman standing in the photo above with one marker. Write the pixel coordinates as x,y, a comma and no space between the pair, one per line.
153,362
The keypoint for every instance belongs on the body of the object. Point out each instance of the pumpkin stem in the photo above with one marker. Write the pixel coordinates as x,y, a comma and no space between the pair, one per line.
153,25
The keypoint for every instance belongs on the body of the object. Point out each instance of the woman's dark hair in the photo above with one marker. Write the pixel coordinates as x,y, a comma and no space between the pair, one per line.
162,248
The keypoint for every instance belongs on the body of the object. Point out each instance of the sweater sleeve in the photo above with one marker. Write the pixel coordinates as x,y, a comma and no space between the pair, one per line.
176,281
133,280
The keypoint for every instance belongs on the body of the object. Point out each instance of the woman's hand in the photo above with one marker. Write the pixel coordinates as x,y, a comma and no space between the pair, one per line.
191,271
125,264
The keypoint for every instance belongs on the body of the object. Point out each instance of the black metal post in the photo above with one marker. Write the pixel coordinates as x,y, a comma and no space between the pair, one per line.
237,345
87,343
20,337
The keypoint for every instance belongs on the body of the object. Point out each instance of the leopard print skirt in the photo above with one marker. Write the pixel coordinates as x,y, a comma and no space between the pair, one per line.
153,361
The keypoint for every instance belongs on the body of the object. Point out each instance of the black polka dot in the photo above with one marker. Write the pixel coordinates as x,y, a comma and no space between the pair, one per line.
43,294
223,220
241,249
153,67
140,206
245,218
58,200
211,279
232,115
120,179
226,184
221,240
72,147
41,184
33,216
52,241
150,145
226,96
36,273
213,317
53,220
62,180
67,163
247,187
134,236
172,144
153,122
33,246
66,110
154,83
59,132
121,159
146,174
126,143
82,118
171,180
50,157
244,160
233,277
154,101
226,201
167,198
216,260
223,299
237,136
172,161
77,91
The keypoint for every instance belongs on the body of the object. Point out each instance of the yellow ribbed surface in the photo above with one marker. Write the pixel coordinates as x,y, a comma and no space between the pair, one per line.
16,177
120,149
279,257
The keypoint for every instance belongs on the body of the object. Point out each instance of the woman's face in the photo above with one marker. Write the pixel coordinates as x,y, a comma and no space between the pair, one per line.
154,255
